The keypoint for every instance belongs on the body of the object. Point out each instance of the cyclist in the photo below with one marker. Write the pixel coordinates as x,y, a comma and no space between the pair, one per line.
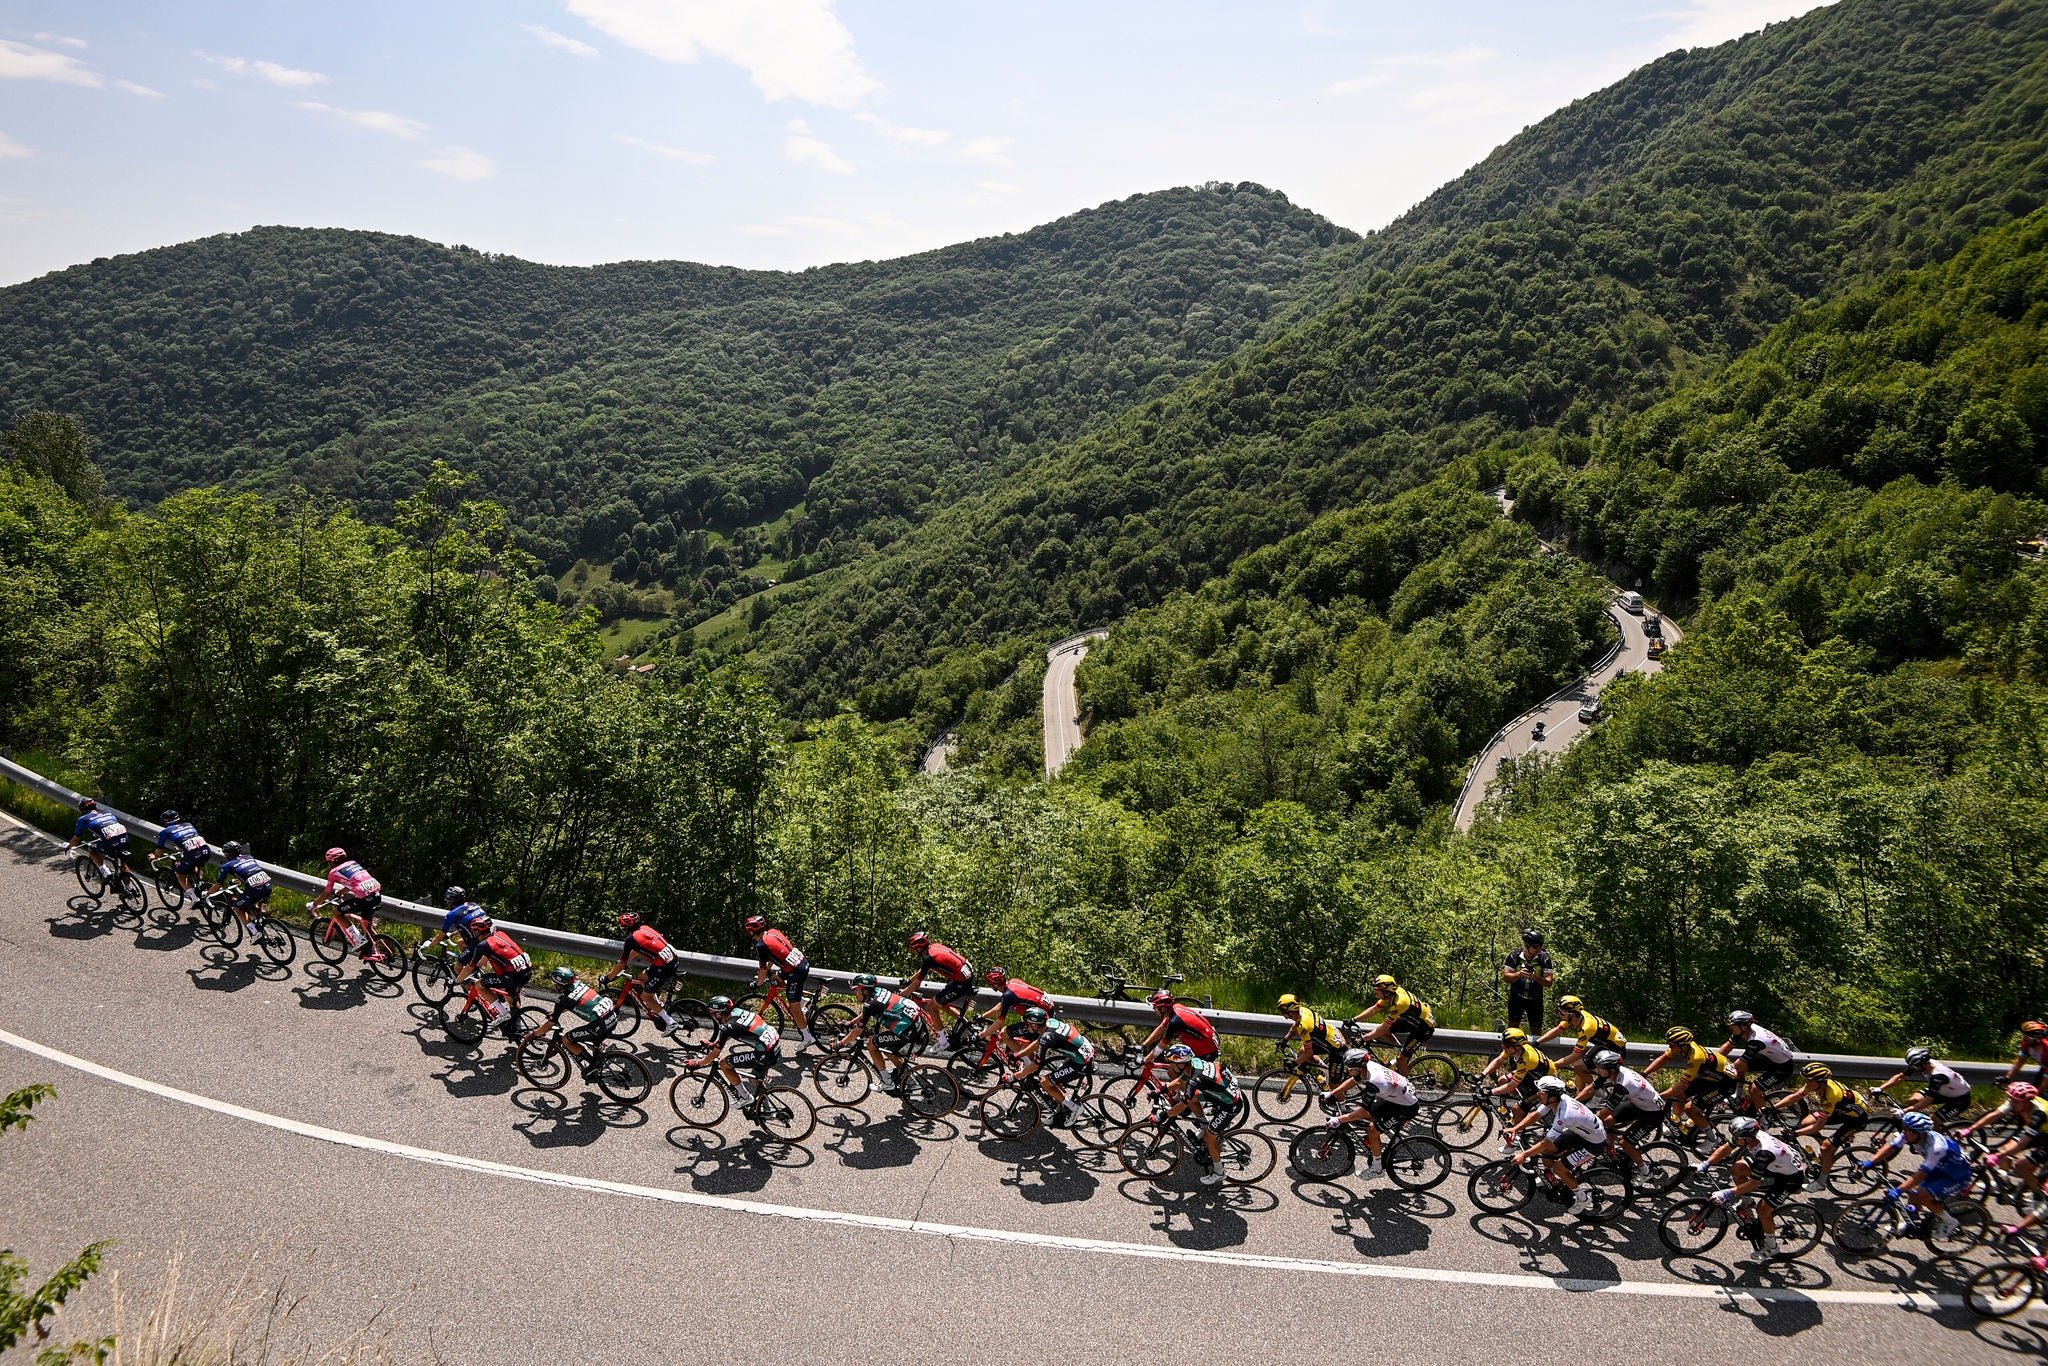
1763,1054
1944,1092
187,846
1944,1172
1316,1034
1409,1019
1203,1090
1524,1066
1704,1076
893,1024
1389,1102
1573,1129
506,970
2033,1049
1594,1035
106,839
591,1006
1528,971
1633,1109
1062,1053
1180,1022
1765,1164
663,962
1829,1105
936,960
758,1039
249,894
350,886
2030,1115
465,920
777,954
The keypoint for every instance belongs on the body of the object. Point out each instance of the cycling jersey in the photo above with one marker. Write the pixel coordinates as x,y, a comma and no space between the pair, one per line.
1528,1064
1705,1062
1942,1154
587,1001
894,1013
2034,1051
1321,1031
1061,1037
1776,1156
183,836
505,953
940,961
648,942
1403,1007
775,950
744,1026
2034,1118
1595,1032
1390,1086
1019,996
103,828
1569,1120
1836,1101
353,881
1210,1082
1185,1022
255,883
1769,1046
464,920
1631,1087
1945,1082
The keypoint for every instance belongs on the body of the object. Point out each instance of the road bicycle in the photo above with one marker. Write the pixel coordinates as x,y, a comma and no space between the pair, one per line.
335,934
828,1019
1018,1108
271,938
1466,1119
544,1057
1871,1226
693,1026
1416,1161
1693,1228
433,971
163,871
846,1078
1145,1089
470,1019
1156,1146
1509,1187
980,1060
1284,1092
2003,1289
701,1098
96,880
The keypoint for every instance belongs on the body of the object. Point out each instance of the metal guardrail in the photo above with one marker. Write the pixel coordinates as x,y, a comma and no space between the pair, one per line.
1241,1024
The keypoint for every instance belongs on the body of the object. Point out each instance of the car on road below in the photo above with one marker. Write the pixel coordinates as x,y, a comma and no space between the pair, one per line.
1653,625
1656,647
1632,602
1590,710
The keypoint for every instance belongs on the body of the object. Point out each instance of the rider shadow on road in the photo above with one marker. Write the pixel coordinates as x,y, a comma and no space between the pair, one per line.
227,970
1197,1217
882,1141
1043,1170
1383,1222
1561,1251
716,1165
332,988
560,1123
160,936
87,919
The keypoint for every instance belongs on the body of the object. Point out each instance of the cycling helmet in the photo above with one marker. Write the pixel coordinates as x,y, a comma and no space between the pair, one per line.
1570,1005
1740,1019
756,924
1551,1086
562,977
2023,1092
233,849
1913,1122
1290,1002
455,896
1512,1035
719,1005
1918,1058
920,941
88,804
867,981
1034,1015
629,922
485,925
2034,1029
1677,1034
1180,1052
1384,984
1606,1060
167,817
336,855
1355,1058
1161,999
1816,1071
997,976
1743,1126
1533,937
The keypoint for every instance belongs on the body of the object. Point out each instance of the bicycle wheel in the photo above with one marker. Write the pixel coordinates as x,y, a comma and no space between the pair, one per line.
1613,1192
1010,1112
832,1021
433,977
170,893
1799,1227
975,1072
1282,1095
274,941
2002,1290
842,1079
1418,1162
1433,1075
330,945
1693,1228
1461,1125
391,966
1664,1167
622,1076
774,1014
626,1019
1864,1227
928,1092
1100,1122
541,1059
1973,1226
91,880
1502,1187
694,1026
128,887
1847,1180
211,913
1149,1149
464,1021
784,1113
227,930
1321,1154
1247,1157
699,1098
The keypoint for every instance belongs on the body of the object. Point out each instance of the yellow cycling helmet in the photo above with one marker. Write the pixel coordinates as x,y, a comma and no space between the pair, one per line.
1384,983
1570,1005
1512,1035
1677,1034
1816,1071
1290,1002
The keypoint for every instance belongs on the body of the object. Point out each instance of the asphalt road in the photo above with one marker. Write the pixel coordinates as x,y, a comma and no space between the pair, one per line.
1062,701
312,1129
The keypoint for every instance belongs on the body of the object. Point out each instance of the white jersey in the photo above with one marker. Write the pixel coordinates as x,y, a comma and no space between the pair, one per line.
1946,1082
1775,1049
1569,1117
1635,1088
1389,1085
1776,1156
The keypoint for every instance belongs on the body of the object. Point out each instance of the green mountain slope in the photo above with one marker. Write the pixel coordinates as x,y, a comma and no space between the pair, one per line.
1726,188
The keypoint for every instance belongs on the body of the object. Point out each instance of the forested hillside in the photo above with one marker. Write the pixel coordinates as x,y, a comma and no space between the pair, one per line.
635,406
1728,187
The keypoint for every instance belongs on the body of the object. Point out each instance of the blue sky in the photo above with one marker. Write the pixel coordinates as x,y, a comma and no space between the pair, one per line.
770,133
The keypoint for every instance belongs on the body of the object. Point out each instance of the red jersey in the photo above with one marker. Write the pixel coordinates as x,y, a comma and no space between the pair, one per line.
775,948
648,940
946,963
1019,995
1185,1024
506,953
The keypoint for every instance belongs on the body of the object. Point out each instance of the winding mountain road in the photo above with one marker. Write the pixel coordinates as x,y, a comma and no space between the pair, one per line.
318,1130
1061,703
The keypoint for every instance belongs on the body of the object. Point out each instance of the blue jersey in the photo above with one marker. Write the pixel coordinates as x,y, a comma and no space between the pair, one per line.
249,873
465,919
101,827
184,837
1943,1155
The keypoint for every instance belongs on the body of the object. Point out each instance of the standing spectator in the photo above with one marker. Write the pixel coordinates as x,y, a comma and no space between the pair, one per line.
1529,970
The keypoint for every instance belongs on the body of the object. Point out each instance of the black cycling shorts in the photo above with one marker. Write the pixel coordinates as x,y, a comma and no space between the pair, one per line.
1567,1144
752,1059
1411,1030
793,979
514,982
1709,1086
252,898
1634,1121
1390,1115
1778,1187
954,992
659,975
1845,1126
1760,1066
188,864
1064,1069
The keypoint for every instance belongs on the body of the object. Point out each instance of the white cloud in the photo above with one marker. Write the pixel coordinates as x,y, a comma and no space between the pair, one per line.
806,148
61,41
792,49
909,137
460,163
682,154
132,88
20,62
376,120
992,151
575,47
1386,70
273,72
1705,23
10,148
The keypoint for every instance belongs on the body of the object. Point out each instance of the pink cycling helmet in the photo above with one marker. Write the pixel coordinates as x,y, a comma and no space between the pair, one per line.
2023,1091
336,855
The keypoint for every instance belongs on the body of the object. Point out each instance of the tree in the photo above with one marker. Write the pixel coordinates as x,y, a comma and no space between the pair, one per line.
27,1311
56,448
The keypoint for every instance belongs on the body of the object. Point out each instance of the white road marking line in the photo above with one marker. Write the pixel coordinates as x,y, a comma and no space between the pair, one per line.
928,1228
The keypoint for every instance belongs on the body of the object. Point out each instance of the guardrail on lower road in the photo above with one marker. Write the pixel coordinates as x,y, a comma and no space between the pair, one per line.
1239,1023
